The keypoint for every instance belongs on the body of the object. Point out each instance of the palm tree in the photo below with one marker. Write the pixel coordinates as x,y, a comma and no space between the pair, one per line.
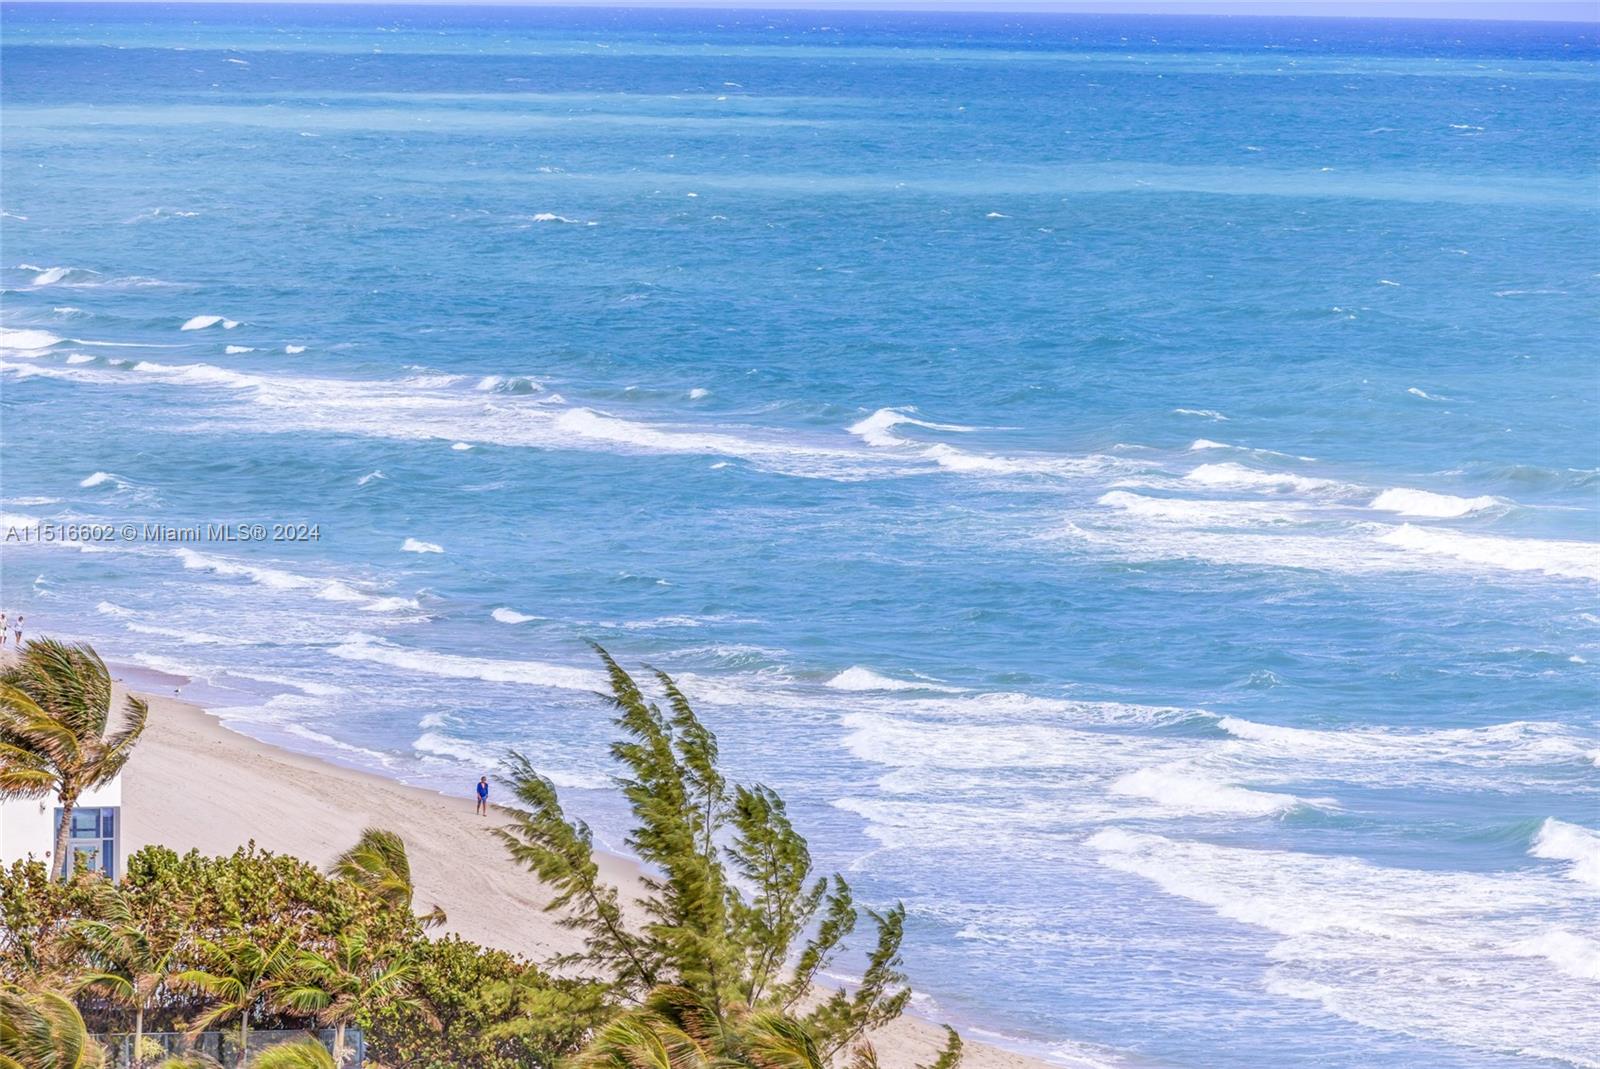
55,707
335,988
378,862
42,1028
301,1054
131,955
676,1028
246,974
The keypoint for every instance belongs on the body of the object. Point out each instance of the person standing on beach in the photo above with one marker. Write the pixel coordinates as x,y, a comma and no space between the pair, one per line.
483,796
16,629
2,629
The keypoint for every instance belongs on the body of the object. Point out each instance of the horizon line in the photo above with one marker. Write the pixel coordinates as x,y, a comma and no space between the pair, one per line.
1551,12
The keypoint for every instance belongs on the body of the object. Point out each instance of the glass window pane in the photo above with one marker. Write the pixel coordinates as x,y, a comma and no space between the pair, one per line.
108,822
86,824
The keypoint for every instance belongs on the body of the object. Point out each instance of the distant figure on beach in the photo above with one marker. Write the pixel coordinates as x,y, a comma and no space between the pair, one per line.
16,629
2,629
483,796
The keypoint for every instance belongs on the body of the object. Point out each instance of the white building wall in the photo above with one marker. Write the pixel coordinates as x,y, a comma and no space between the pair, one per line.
27,825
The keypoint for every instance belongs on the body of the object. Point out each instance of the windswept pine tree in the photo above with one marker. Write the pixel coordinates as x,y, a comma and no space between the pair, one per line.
737,927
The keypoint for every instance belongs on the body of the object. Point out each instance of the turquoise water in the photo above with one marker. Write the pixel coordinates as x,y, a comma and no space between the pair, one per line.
1131,483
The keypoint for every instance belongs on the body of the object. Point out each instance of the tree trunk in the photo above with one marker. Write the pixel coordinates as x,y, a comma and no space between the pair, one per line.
63,860
338,1046
138,1036
244,1037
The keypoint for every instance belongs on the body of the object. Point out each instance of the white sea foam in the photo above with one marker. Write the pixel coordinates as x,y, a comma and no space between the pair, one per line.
1207,443
982,742
1426,503
511,616
1451,956
99,478
1204,513
457,666
185,636
202,322
51,276
10,521
461,447
235,350
1560,841
199,375
1238,476
878,428
156,214
552,217
441,745
80,358
1185,791
319,690
1204,413
106,608
1575,560
698,392
1415,392
371,476
1573,954
1432,757
858,678
336,590
26,341
293,349
509,384
412,545
394,603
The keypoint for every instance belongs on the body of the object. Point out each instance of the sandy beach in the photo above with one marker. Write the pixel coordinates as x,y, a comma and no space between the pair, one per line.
194,784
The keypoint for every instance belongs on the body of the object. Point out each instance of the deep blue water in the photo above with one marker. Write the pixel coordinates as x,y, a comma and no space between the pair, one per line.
1129,482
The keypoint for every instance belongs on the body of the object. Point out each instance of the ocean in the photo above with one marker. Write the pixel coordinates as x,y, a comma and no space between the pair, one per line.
1129,482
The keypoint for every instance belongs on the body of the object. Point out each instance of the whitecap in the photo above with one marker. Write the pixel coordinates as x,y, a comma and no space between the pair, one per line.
26,341
1575,560
877,429
99,478
1238,476
1441,954
293,349
457,666
412,545
1426,503
335,590
1557,840
865,679
205,321
1184,791
511,616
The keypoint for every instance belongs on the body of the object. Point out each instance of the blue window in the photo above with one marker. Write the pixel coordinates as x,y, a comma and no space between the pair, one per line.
93,838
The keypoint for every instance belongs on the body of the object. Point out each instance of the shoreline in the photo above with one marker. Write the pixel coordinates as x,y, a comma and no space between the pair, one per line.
194,783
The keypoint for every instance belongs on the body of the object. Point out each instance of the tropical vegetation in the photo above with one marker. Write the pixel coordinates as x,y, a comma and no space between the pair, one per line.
56,734
715,962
